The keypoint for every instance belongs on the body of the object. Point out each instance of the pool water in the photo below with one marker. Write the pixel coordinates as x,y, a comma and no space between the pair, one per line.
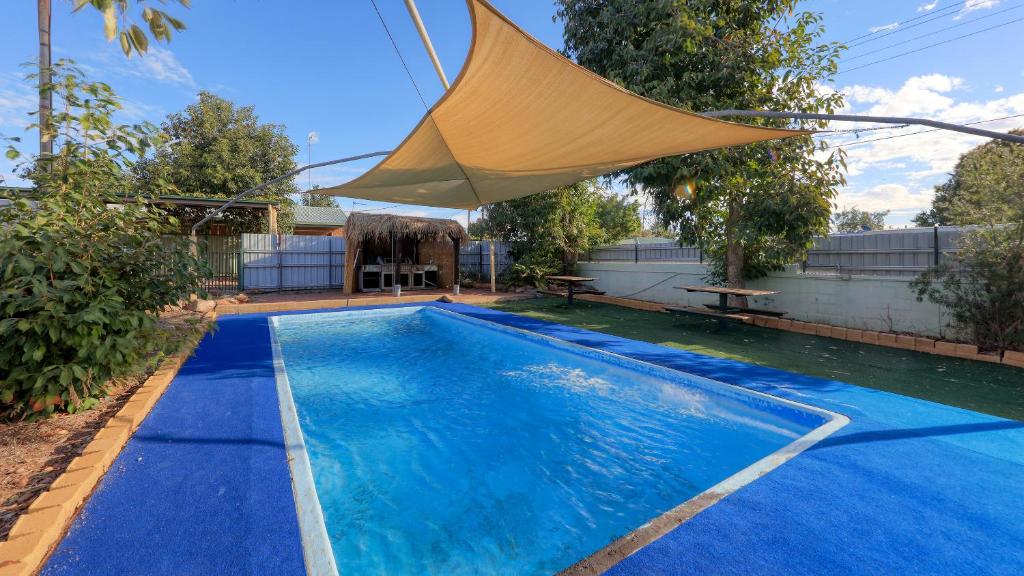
441,444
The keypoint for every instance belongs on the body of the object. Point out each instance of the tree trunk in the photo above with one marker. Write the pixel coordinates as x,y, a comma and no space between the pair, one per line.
45,94
734,253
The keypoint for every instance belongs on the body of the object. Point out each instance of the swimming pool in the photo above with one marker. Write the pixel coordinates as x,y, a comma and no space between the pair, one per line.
438,443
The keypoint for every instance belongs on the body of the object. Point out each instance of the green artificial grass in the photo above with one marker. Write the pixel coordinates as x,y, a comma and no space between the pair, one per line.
979,386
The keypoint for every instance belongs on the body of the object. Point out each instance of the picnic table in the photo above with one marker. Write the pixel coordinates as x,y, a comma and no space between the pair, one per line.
571,282
723,299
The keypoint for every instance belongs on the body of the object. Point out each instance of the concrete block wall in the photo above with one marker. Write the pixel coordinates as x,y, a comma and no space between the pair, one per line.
857,302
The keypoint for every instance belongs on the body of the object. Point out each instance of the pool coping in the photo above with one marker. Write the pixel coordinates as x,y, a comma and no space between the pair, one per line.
608,556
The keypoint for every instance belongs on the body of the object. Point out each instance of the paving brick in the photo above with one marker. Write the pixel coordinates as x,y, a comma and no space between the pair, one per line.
822,329
869,337
854,335
70,497
47,523
84,476
838,332
886,339
966,351
905,342
771,322
1013,358
987,357
20,555
945,348
785,324
924,344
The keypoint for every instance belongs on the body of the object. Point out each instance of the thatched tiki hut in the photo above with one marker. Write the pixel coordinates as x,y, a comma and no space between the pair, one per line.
384,252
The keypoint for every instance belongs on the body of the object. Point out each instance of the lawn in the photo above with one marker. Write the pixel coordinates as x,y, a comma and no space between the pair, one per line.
979,386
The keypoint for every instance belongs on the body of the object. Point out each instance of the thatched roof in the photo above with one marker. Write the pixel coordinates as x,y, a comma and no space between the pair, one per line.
362,227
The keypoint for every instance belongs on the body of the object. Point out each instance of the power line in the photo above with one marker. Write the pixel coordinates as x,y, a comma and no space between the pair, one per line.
859,142
907,53
931,15
932,33
399,52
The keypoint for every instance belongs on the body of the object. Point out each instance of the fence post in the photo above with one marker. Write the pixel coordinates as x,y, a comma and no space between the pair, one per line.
277,252
636,251
241,263
935,243
480,266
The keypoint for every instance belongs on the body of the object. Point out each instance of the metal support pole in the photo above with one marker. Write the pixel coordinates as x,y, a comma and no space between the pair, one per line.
415,14
935,243
874,119
494,274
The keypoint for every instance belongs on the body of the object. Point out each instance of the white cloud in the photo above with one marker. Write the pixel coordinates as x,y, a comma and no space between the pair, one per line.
896,198
999,88
972,5
158,64
884,27
928,7
898,174
17,99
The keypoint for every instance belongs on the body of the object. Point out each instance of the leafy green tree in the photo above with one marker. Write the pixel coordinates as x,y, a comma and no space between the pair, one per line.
754,208
317,199
552,229
855,220
618,218
217,150
986,187
981,288
84,273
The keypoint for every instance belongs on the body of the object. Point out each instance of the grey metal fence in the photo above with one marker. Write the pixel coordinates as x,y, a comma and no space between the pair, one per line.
475,259
282,262
639,252
905,252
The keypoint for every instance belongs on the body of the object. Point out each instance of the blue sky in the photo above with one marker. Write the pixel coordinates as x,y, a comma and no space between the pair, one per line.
328,67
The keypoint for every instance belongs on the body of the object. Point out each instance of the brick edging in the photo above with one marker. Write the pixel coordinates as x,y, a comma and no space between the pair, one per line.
40,528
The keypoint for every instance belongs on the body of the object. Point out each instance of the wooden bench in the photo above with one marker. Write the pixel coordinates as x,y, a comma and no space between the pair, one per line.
571,283
723,309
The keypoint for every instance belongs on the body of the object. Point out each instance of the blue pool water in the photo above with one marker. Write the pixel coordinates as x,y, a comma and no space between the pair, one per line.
441,444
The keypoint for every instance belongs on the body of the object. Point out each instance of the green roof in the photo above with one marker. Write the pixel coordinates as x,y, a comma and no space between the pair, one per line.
316,216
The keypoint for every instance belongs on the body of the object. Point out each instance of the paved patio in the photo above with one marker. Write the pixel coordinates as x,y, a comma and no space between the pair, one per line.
909,486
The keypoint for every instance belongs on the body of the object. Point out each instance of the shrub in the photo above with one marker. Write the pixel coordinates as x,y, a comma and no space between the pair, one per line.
983,289
81,281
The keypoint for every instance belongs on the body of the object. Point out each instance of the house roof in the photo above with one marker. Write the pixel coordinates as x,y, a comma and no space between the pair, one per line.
316,216
363,227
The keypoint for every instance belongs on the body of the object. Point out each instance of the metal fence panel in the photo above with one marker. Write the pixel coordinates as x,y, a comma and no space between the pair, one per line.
884,252
645,253
285,262
475,259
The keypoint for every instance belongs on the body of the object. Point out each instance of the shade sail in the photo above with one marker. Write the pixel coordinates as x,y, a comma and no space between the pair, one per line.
522,119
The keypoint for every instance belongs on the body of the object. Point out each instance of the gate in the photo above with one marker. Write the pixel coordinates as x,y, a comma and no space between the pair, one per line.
283,262
221,255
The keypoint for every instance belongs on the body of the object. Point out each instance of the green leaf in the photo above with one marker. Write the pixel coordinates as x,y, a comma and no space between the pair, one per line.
141,42
126,45
110,23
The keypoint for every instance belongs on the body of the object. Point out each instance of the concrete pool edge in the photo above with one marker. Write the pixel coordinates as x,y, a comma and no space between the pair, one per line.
316,544
621,548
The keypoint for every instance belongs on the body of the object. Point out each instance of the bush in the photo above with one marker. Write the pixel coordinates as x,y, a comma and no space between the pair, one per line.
81,282
983,289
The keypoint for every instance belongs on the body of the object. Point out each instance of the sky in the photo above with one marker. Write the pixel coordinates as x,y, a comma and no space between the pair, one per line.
329,68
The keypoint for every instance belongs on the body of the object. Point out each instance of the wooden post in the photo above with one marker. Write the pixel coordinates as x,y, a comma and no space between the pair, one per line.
455,267
397,286
494,273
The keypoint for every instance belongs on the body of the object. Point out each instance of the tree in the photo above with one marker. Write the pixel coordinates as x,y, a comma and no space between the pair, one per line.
82,283
854,220
116,22
618,218
217,150
317,199
986,187
754,208
554,228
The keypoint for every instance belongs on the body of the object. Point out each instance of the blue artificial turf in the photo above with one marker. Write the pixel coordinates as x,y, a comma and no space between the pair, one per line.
908,487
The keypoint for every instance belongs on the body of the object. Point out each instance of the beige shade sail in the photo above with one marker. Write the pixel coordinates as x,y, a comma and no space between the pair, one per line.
522,119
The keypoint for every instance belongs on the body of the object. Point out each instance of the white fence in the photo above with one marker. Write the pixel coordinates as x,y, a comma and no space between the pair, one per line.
282,262
861,302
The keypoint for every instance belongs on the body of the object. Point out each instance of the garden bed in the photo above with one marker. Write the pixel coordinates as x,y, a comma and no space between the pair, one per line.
36,453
